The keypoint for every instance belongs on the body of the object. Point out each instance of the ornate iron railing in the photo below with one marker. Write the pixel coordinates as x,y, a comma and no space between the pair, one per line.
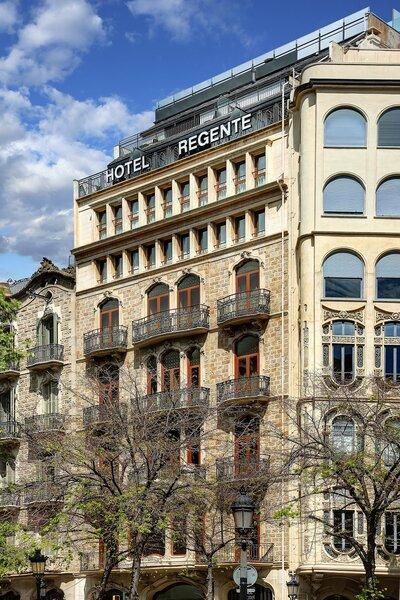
243,304
11,367
9,498
229,469
230,553
45,354
171,321
103,414
9,429
164,154
182,398
43,423
256,386
105,339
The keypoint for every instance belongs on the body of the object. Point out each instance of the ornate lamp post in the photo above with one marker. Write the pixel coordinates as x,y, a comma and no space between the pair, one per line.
38,565
292,586
243,514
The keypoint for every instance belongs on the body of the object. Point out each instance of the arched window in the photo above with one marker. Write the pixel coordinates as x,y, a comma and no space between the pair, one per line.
346,128
248,276
392,350
180,591
109,314
247,356
389,129
391,441
247,443
344,194
261,593
47,332
151,367
170,364
343,276
158,299
189,291
343,435
388,277
392,532
388,198
193,367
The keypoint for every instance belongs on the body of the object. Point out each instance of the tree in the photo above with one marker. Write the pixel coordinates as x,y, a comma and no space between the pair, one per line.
345,444
8,312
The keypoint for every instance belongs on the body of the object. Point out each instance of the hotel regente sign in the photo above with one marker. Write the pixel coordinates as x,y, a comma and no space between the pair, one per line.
186,146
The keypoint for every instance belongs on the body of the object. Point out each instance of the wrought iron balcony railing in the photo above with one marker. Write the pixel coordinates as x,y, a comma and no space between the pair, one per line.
45,355
45,423
102,414
261,553
229,469
256,386
10,499
9,430
43,491
12,369
173,399
176,321
254,303
99,341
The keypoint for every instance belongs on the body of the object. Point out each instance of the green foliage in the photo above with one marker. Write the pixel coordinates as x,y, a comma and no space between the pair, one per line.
371,593
13,557
285,513
8,312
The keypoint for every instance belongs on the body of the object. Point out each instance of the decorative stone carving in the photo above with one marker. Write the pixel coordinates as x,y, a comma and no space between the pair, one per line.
356,315
386,316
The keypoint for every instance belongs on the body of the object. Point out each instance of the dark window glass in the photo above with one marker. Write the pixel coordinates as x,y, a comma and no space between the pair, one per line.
389,129
343,275
167,248
185,245
102,266
343,360
135,261
344,195
221,234
151,256
388,198
343,520
240,228
343,328
259,222
388,276
203,239
134,213
118,266
151,208
345,127
102,224
392,532
118,219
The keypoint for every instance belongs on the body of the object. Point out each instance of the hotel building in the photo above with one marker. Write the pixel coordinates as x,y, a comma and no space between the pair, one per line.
246,242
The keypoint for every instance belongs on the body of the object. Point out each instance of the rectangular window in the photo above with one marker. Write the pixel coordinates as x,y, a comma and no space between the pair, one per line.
392,363
259,171
392,532
102,270
240,228
151,208
240,177
342,287
388,288
185,245
135,261
6,409
50,397
117,261
167,206
134,216
150,256
118,219
203,190
220,234
193,447
343,521
221,184
102,224
259,222
185,196
343,362
202,238
179,534
167,251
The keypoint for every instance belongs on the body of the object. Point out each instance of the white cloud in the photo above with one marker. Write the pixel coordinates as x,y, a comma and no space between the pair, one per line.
49,47
173,15
8,15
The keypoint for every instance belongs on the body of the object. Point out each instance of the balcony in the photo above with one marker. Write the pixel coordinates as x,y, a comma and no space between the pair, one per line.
100,342
10,500
243,470
9,432
257,553
196,397
10,371
44,357
242,307
103,414
44,423
179,322
43,492
244,388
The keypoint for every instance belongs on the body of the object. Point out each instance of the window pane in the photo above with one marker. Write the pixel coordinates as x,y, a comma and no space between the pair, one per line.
343,434
260,222
388,287
345,127
247,345
344,195
389,362
338,287
389,128
221,234
343,328
260,162
240,228
388,198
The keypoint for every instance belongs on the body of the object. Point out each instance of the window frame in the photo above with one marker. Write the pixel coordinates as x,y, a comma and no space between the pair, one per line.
357,111
333,213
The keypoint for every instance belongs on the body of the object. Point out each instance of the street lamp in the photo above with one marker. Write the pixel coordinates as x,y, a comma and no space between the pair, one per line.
243,514
38,566
292,586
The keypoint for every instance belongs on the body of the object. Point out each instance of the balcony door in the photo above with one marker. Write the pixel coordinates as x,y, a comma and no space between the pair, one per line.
108,384
193,368
109,320
170,368
158,299
188,301
247,445
247,357
47,330
248,277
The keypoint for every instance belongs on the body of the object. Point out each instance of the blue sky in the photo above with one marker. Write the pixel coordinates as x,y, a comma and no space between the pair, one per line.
78,75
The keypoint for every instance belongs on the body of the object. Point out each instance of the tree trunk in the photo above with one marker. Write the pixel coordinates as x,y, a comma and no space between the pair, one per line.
108,567
133,593
210,580
371,582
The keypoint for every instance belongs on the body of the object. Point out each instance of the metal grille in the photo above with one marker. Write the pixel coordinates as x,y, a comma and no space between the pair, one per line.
245,387
172,321
254,302
44,354
104,339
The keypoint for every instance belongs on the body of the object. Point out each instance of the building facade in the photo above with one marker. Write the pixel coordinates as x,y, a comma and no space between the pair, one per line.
246,243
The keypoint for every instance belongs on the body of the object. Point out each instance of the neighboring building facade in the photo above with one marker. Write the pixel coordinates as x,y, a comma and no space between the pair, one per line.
247,241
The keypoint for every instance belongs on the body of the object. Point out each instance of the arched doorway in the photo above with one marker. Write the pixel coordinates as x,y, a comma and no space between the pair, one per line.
262,593
180,591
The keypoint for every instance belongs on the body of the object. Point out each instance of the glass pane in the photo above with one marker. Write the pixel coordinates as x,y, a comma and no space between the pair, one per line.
345,127
164,303
195,297
247,345
240,228
253,365
389,128
221,233
260,221
340,287
389,362
343,328
221,176
249,265
388,287
203,183
242,367
241,170
260,162
348,360
344,195
388,198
